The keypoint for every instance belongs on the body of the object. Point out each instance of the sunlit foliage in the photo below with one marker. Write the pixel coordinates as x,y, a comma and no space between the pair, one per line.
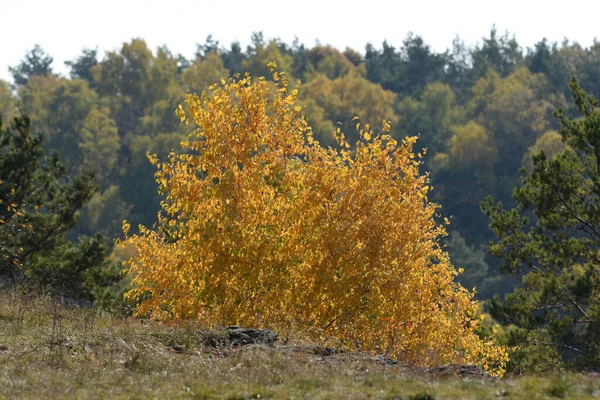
263,226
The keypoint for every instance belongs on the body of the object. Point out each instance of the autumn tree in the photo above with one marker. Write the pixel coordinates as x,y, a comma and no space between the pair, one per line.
550,143
263,226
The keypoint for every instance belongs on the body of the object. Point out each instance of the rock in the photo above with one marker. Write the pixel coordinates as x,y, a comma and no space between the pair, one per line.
243,336
386,360
460,370
324,351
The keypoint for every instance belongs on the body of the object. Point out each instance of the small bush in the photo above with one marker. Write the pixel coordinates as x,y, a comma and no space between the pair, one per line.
262,226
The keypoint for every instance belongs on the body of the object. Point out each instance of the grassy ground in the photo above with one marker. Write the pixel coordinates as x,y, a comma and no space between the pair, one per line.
58,352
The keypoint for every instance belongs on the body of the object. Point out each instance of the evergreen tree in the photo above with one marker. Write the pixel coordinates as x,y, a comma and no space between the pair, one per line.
38,207
81,68
36,63
553,237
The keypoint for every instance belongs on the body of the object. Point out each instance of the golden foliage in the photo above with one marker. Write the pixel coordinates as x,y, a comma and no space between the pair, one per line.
471,146
550,143
262,226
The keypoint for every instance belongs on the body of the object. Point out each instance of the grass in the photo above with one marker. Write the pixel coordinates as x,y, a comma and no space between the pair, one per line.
50,351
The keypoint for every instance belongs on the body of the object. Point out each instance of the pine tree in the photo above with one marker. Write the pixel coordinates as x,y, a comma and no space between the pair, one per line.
38,207
553,237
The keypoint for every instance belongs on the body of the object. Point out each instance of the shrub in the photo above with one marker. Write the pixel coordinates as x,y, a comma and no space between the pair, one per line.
262,226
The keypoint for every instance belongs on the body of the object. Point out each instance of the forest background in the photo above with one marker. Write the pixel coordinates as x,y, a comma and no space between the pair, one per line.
480,112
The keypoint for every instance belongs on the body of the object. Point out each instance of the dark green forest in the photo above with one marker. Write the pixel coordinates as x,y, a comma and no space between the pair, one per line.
486,116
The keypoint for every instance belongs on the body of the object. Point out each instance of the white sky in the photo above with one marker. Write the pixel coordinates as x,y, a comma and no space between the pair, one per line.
64,27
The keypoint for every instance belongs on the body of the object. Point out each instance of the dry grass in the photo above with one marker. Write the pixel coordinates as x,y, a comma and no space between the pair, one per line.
49,351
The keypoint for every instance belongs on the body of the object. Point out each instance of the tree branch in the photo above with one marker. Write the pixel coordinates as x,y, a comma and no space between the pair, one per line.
562,345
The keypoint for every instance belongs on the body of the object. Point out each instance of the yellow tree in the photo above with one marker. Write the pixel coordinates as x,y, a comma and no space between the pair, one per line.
472,147
262,226
550,143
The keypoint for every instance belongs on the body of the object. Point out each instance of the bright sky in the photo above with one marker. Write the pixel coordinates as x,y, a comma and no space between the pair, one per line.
64,27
